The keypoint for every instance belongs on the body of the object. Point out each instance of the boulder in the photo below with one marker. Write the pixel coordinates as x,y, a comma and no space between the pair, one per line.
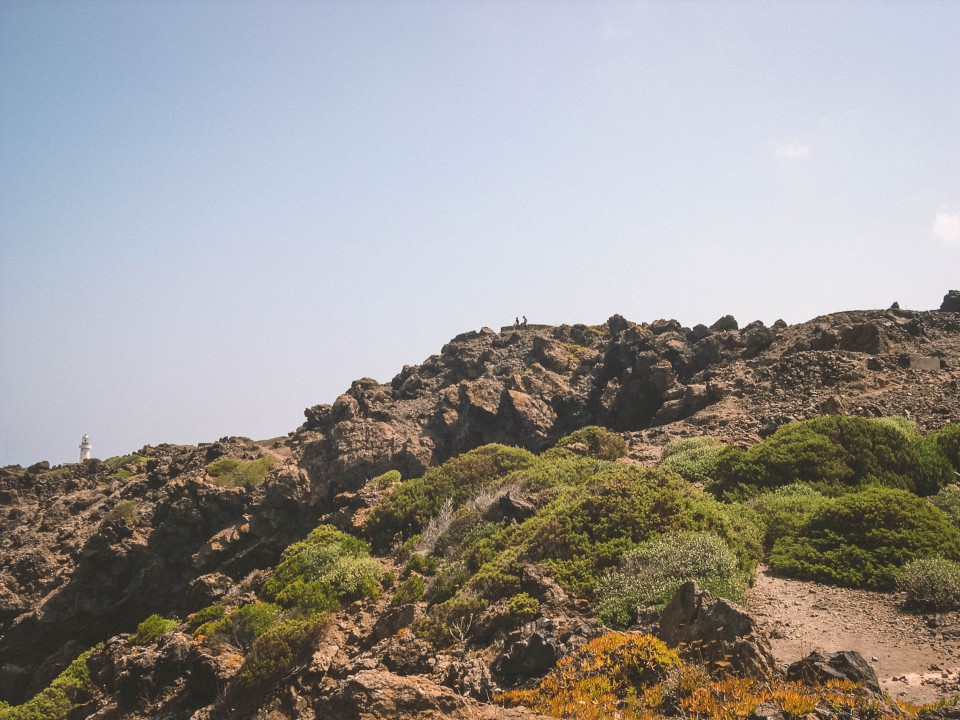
845,665
727,322
865,338
951,301
716,630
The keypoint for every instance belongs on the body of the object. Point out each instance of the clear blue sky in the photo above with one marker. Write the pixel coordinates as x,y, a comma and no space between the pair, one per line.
214,214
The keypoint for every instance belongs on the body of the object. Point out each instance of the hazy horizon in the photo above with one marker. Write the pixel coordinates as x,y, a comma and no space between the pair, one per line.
215,215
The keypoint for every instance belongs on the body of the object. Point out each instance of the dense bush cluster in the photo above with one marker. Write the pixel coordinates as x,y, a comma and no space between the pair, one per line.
862,539
948,501
948,440
835,454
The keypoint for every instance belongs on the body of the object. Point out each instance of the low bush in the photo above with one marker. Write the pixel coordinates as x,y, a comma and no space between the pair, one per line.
522,608
151,629
209,614
931,584
599,443
862,539
836,454
411,590
323,570
694,459
124,511
948,501
651,574
785,511
586,530
408,509
948,440
277,653
450,622
228,472
71,689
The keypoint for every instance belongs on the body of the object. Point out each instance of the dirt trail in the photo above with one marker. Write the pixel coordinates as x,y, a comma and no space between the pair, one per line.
913,660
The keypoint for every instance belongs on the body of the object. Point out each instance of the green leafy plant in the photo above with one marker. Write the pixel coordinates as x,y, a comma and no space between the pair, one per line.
71,689
124,511
408,509
931,584
411,590
948,501
209,614
151,629
228,472
836,454
785,511
694,459
323,570
862,539
599,443
276,653
522,608
948,440
651,574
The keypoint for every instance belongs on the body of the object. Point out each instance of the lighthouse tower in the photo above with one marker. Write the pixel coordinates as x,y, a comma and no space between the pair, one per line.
85,448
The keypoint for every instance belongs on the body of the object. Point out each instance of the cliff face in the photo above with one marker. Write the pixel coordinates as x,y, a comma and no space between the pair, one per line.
87,551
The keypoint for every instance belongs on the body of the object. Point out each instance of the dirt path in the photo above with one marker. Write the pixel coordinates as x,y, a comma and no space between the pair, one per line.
913,660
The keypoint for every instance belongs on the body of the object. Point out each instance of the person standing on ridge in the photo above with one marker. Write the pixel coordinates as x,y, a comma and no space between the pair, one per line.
516,323
524,325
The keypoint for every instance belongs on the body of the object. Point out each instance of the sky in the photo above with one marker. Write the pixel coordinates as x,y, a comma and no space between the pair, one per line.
215,214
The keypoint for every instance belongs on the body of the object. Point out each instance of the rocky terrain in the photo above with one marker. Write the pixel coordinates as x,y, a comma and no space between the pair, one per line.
88,551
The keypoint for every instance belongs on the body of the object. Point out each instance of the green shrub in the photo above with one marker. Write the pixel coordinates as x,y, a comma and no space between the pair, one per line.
71,689
249,622
694,459
651,574
411,590
861,539
836,454
931,584
228,472
323,570
209,614
422,564
948,440
600,443
450,622
786,510
408,509
124,511
276,653
587,529
386,481
522,608
152,628
948,501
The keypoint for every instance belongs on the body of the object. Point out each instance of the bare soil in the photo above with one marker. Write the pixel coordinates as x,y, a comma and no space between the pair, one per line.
916,657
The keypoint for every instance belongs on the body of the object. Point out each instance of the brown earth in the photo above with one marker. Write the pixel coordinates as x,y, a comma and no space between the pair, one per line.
914,661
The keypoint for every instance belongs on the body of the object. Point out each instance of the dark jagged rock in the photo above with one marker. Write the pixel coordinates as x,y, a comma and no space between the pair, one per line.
845,665
951,301
716,629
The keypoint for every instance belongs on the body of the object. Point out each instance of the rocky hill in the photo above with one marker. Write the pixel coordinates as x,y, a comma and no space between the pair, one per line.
88,551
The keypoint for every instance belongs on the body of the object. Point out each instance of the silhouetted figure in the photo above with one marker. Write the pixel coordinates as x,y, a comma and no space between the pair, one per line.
524,325
516,323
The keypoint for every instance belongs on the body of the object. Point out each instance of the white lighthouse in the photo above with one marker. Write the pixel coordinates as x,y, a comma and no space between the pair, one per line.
85,448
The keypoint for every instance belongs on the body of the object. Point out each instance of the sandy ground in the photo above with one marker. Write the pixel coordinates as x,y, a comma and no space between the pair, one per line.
913,660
